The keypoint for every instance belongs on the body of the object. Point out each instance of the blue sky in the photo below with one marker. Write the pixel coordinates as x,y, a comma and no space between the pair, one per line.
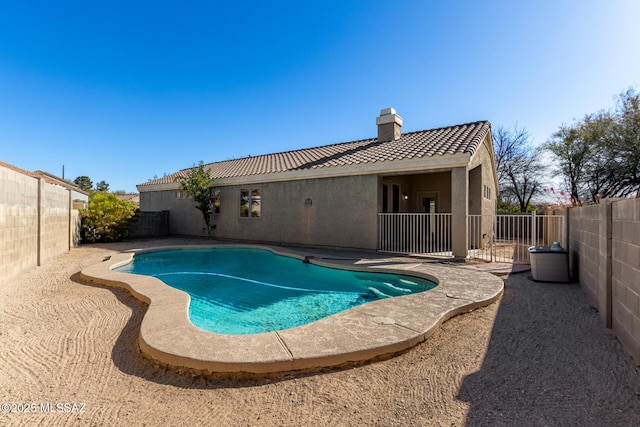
125,91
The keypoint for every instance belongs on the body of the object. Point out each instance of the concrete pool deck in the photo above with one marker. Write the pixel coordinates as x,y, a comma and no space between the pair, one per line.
374,330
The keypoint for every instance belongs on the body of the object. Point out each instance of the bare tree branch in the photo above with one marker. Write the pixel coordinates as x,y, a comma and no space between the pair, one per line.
518,166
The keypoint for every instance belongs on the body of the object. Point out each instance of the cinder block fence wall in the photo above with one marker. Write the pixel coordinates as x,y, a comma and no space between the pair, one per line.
38,221
604,255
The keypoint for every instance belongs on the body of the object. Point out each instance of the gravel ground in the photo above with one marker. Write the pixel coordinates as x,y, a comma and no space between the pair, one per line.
538,357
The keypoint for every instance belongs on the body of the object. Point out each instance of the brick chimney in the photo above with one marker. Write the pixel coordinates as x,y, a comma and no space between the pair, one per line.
389,125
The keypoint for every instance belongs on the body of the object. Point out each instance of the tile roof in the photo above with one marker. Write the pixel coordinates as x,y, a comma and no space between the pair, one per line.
464,138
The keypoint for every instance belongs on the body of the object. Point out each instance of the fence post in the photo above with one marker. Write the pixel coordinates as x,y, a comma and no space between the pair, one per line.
494,219
379,244
534,229
605,262
40,223
69,225
565,229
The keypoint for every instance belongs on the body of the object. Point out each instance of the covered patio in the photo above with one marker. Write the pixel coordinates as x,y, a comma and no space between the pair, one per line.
429,212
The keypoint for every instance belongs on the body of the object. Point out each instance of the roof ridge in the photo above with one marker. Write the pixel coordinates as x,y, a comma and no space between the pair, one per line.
337,144
295,150
444,140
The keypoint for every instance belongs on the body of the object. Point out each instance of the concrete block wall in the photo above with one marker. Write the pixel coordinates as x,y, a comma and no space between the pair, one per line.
36,222
604,245
625,273
18,223
54,214
584,250
150,224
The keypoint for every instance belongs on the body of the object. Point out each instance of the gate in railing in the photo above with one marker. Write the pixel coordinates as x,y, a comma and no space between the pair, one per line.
502,238
507,237
415,233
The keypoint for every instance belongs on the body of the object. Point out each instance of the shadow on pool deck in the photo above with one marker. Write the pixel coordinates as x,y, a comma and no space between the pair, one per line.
551,362
127,356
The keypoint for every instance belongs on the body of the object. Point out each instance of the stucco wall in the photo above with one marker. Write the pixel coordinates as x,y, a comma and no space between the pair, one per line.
184,218
482,169
604,245
35,226
482,196
343,212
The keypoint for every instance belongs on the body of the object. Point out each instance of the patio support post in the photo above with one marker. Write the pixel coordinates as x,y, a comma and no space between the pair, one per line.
460,212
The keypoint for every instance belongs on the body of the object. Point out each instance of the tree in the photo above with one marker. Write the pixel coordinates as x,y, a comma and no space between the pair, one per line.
508,145
582,160
198,184
102,186
518,166
624,147
106,218
84,182
572,149
599,156
595,131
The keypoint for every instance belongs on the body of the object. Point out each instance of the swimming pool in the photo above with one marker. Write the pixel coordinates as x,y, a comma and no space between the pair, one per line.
246,291
375,330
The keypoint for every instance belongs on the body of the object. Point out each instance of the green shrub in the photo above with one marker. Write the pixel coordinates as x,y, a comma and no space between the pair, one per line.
107,218
506,207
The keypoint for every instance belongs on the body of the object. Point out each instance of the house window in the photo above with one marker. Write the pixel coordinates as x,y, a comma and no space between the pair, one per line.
250,203
385,198
391,198
396,199
216,200
487,192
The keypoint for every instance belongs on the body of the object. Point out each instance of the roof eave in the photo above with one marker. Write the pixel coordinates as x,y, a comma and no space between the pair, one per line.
419,164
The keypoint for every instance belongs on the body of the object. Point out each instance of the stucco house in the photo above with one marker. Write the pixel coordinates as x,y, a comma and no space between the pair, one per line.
350,195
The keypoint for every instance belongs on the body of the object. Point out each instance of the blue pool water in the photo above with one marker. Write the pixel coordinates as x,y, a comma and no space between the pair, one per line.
247,291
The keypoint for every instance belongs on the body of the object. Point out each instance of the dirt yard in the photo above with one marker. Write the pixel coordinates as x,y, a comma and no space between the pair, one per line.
538,357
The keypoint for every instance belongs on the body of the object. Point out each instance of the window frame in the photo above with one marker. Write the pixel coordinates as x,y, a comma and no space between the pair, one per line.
487,192
216,200
253,198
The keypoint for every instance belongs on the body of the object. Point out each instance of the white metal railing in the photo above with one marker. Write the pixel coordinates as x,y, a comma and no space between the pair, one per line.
415,233
495,238
507,237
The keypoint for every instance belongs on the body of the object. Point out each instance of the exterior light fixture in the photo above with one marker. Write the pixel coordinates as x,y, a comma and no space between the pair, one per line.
405,195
